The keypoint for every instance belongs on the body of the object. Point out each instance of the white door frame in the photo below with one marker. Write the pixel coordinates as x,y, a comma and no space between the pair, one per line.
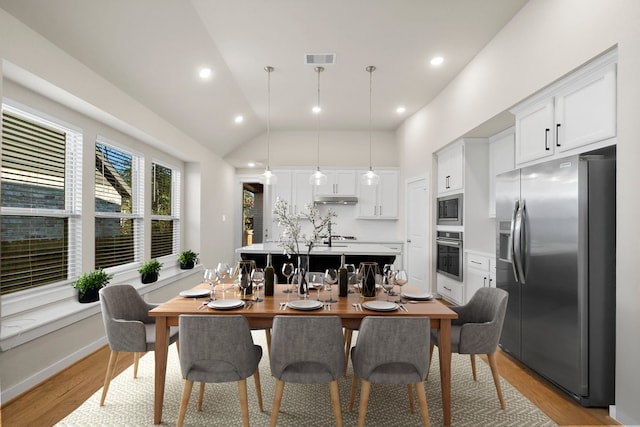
237,210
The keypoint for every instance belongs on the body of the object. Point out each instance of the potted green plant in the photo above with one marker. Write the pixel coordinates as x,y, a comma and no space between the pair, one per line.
187,259
149,271
88,285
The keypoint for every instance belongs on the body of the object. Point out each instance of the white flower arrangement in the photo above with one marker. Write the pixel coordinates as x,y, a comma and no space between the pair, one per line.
292,235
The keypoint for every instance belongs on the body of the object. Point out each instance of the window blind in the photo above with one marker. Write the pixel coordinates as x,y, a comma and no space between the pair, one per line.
165,209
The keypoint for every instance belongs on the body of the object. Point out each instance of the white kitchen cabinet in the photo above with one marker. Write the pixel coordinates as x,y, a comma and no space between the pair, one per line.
451,169
450,289
380,201
501,159
478,274
293,187
576,114
339,183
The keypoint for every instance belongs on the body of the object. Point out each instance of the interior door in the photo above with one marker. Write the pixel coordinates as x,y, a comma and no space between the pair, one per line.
417,219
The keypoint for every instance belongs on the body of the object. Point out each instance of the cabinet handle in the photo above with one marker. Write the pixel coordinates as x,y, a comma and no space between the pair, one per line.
557,132
484,282
447,185
546,139
475,262
448,289
380,210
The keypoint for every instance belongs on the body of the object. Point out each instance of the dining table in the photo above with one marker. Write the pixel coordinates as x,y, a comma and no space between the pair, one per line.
261,314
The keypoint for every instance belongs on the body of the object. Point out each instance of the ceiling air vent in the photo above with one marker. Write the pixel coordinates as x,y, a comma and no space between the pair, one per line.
319,58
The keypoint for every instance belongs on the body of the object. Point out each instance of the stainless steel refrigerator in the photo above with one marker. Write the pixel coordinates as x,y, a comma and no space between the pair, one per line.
555,226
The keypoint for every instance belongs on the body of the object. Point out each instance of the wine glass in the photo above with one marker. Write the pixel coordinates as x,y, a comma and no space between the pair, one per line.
330,279
388,276
388,283
210,277
223,270
317,281
287,271
401,280
243,279
257,277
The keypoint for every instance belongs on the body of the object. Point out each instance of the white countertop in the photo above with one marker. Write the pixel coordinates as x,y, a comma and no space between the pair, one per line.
336,249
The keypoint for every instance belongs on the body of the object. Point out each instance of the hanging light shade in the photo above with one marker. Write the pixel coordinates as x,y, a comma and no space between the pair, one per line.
268,177
370,177
317,177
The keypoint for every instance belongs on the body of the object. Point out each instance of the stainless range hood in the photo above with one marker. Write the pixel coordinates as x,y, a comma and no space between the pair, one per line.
335,200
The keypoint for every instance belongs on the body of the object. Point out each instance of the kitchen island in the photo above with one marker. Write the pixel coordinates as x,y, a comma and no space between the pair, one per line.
322,256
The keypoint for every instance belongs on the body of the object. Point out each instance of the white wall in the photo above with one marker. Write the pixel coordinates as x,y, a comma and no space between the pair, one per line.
546,40
34,62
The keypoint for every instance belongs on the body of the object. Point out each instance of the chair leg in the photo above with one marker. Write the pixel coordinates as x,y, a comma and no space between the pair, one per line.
348,334
496,377
113,360
256,379
422,400
277,400
410,395
267,333
178,347
335,402
200,397
244,401
364,402
473,366
431,345
354,386
184,402
136,358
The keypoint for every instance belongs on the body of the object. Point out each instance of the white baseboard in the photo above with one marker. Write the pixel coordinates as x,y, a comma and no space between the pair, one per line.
16,390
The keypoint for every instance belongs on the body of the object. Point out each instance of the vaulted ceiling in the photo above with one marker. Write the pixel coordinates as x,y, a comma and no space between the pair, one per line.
154,49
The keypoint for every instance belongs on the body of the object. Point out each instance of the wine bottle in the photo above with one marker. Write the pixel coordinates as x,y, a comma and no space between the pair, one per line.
342,277
268,277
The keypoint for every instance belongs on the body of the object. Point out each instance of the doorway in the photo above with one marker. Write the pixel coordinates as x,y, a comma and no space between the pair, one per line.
252,213
417,220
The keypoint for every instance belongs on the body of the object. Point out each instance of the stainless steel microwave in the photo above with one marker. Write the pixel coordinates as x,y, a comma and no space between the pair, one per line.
450,210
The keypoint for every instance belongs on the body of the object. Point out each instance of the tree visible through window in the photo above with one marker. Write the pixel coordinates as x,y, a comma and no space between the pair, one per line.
165,210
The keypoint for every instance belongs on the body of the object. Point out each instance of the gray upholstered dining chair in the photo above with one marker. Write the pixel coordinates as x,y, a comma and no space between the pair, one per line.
477,329
218,349
391,350
128,326
307,350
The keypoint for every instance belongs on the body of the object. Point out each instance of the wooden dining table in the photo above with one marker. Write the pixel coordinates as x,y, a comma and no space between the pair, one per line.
261,314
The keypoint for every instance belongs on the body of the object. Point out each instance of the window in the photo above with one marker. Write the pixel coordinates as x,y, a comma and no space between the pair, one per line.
118,198
165,210
41,186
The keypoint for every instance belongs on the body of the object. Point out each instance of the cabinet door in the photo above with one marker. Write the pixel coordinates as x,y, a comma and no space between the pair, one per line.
345,183
388,194
501,159
367,201
474,280
586,111
535,132
450,169
449,289
302,191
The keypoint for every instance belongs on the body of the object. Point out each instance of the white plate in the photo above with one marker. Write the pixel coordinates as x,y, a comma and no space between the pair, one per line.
305,304
380,305
195,293
225,304
419,296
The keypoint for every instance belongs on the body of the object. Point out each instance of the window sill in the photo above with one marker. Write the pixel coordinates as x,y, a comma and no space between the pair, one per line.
33,323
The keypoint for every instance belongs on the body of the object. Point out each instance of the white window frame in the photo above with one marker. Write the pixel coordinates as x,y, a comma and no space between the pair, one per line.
176,206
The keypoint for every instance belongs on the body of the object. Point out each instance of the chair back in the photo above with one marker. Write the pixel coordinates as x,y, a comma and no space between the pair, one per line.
482,319
217,348
307,349
392,350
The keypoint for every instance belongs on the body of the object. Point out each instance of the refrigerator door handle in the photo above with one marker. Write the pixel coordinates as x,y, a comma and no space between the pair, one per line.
516,207
519,244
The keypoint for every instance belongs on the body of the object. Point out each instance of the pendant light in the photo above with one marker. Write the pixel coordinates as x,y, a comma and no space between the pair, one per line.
268,177
318,178
370,178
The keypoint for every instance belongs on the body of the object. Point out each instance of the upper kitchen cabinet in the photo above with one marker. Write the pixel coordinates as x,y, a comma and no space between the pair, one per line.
339,183
380,201
501,159
293,186
574,115
451,169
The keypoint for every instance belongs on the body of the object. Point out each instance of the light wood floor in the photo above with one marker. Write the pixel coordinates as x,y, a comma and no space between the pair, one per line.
54,399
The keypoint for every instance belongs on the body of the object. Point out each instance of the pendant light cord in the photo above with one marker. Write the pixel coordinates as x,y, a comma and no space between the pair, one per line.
268,69
318,70
370,69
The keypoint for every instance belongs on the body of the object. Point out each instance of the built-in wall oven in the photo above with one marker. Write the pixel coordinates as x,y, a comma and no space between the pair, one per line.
449,248
450,210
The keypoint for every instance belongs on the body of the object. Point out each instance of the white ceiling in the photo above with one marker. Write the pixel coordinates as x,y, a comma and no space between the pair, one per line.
152,50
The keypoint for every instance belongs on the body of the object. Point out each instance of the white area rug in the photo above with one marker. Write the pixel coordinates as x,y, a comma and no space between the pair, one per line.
474,403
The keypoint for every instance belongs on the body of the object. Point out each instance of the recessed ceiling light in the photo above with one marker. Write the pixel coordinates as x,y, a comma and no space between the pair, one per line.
400,110
316,109
251,164
205,73
437,60
238,119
